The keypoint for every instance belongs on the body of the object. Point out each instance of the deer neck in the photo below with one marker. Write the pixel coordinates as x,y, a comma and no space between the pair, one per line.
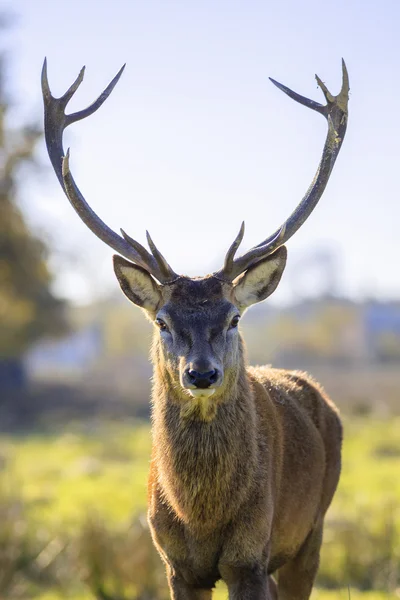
202,462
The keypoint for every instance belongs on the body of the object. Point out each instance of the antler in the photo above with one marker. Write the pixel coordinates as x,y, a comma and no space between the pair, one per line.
336,113
55,121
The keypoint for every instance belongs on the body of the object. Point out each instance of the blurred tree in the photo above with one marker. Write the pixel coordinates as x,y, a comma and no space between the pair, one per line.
28,308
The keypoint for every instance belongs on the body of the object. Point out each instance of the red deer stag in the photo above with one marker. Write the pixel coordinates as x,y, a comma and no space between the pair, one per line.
245,460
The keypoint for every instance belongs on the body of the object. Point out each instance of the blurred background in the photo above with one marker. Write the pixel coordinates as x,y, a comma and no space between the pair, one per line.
193,140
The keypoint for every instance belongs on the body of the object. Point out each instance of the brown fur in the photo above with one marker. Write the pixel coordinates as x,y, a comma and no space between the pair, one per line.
239,482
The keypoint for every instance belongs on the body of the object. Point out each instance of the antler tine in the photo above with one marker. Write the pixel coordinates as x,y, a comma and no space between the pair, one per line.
168,274
141,250
162,263
56,122
230,255
298,98
336,113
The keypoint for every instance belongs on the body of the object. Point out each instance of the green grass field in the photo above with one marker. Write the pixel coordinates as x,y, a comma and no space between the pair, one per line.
221,594
64,479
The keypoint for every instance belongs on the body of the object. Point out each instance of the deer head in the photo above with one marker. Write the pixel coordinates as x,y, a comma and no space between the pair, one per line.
198,346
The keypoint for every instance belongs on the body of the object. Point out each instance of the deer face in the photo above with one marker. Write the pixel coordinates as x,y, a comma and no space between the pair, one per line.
197,337
198,331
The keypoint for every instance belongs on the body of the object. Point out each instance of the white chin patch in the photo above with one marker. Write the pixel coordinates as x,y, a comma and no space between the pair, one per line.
202,393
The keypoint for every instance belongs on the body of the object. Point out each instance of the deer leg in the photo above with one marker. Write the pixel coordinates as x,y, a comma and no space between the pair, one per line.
246,583
296,577
181,590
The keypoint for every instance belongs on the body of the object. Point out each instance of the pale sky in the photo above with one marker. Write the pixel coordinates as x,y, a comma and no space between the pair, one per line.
195,138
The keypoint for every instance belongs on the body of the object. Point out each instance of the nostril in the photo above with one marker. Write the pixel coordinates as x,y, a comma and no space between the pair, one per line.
213,376
202,380
192,375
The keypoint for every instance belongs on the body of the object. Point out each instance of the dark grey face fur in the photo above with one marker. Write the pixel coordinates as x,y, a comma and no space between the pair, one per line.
199,335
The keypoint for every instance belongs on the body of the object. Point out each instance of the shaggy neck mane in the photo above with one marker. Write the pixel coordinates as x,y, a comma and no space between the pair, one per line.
200,463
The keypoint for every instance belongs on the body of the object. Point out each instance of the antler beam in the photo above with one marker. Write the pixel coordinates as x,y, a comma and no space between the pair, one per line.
56,121
336,113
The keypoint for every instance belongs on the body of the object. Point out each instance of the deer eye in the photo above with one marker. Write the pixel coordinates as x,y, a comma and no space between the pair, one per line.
162,325
234,323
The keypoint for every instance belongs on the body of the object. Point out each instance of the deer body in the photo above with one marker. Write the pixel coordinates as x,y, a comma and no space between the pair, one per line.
236,490
245,461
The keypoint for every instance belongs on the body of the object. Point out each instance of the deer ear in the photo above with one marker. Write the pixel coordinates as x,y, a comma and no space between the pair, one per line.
137,284
259,281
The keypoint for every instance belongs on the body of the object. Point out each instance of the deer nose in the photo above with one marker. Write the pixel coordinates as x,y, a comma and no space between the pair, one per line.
202,380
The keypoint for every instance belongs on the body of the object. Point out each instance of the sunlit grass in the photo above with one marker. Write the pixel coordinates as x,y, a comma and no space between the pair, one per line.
221,594
66,476
344,594
371,464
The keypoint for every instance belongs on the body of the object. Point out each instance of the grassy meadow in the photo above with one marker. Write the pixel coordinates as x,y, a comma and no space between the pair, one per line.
73,504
